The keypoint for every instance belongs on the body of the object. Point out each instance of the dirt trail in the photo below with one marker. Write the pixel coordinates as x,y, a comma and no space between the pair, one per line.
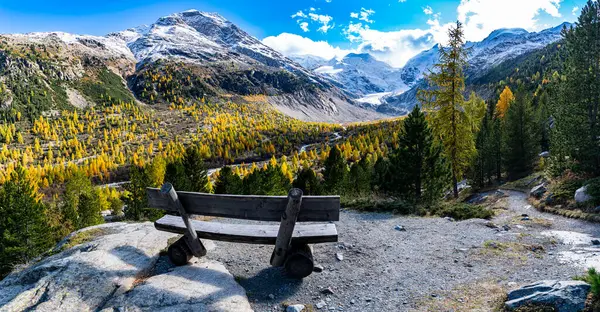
384,269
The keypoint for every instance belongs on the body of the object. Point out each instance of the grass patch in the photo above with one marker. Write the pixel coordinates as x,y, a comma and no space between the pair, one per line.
513,250
525,184
462,211
106,88
540,222
379,205
83,237
482,296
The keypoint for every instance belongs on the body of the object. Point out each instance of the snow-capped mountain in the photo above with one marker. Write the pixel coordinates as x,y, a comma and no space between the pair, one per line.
362,75
216,58
376,82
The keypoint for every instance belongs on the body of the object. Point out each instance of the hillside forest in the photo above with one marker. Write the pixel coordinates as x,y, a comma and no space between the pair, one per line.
62,170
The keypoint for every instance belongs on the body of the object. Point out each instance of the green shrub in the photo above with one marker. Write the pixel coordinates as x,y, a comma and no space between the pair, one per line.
593,190
384,205
593,278
462,211
564,190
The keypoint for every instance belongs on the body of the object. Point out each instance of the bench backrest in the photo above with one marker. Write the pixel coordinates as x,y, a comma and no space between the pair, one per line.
249,207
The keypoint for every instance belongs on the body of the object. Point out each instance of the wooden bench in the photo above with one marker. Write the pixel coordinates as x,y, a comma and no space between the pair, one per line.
291,240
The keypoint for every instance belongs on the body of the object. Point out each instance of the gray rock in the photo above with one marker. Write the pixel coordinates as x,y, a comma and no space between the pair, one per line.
506,227
339,256
318,268
596,242
596,210
271,297
321,304
581,195
400,228
544,154
449,219
327,291
565,296
295,308
491,224
525,219
538,191
105,275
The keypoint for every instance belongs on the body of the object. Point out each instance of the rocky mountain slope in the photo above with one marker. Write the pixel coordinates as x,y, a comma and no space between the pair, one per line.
375,82
209,55
501,47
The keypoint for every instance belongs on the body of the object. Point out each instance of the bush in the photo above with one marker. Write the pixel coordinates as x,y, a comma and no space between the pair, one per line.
593,278
379,205
593,190
462,211
564,190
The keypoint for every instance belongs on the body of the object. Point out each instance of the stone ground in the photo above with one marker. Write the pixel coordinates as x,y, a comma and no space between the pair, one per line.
434,265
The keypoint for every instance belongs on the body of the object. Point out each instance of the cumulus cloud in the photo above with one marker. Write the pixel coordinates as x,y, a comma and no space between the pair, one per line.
481,17
575,10
363,15
303,19
295,45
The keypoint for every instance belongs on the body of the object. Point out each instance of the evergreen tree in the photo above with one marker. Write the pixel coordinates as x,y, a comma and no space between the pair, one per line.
359,177
418,162
195,170
175,174
382,176
228,182
308,182
24,230
520,138
335,173
136,199
450,123
484,164
89,210
268,181
577,111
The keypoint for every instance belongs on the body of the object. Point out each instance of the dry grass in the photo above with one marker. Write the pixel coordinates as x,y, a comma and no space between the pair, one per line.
481,296
510,250
255,98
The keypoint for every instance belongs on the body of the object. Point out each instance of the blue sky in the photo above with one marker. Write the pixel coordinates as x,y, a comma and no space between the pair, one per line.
393,30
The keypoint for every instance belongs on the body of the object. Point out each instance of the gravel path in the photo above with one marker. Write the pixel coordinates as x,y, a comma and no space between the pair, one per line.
384,269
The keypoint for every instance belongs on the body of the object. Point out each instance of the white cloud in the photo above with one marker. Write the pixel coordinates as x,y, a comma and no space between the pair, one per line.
481,17
363,15
575,11
323,20
304,26
294,45
299,14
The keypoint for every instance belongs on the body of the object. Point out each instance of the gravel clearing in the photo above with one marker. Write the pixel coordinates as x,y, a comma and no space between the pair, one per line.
386,269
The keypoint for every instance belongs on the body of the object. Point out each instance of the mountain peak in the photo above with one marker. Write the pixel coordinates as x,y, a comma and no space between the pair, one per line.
506,32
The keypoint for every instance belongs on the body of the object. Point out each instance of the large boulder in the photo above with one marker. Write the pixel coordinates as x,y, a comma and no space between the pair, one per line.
565,296
118,268
581,195
538,191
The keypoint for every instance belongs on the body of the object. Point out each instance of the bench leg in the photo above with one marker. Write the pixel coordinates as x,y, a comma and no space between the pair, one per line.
195,245
179,252
299,261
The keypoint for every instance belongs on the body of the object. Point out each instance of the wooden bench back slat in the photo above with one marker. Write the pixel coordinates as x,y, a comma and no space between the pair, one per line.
249,207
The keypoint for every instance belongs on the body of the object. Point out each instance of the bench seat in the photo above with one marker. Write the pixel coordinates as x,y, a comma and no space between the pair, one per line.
250,233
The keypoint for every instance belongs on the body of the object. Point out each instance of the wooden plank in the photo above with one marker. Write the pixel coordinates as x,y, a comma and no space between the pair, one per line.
264,234
249,207
191,238
286,228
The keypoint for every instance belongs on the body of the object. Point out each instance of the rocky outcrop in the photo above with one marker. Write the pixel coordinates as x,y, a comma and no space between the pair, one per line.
565,296
581,195
119,269
538,191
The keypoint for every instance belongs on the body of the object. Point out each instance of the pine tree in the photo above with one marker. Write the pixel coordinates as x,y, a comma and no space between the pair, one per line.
89,211
335,173
195,170
382,176
228,182
450,123
308,182
520,138
417,160
576,113
359,177
24,230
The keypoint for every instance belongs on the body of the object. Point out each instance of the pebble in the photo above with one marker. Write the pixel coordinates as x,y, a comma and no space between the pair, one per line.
271,296
352,301
321,304
525,219
327,291
295,308
339,256
449,219
595,242
506,227
368,299
318,268
400,228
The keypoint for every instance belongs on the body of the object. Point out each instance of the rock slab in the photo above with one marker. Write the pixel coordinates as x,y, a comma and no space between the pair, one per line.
581,195
116,270
564,296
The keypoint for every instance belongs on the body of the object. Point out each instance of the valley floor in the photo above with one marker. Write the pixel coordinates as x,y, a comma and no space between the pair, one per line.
436,264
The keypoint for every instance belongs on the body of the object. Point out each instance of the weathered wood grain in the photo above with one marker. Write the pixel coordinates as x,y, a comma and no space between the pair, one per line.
264,234
249,207
286,227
